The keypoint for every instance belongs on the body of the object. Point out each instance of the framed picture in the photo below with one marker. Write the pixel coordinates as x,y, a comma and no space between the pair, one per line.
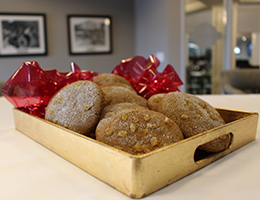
89,34
22,34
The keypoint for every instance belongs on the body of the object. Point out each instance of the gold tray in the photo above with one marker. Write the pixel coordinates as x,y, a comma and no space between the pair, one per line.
138,175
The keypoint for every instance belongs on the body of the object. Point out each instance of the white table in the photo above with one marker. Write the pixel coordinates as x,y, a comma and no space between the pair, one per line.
30,171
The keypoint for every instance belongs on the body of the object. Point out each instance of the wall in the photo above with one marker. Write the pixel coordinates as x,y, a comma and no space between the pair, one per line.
58,57
197,18
160,29
151,28
246,18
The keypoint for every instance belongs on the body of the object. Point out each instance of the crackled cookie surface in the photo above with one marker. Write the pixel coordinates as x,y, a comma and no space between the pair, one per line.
154,101
193,115
119,106
138,131
76,106
125,97
109,89
118,84
105,78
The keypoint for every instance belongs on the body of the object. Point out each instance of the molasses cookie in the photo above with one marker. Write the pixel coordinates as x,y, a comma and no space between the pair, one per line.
77,106
109,89
154,101
138,131
193,115
118,84
104,78
123,97
119,106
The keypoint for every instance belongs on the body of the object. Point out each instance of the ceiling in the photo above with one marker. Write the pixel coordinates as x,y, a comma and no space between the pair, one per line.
196,5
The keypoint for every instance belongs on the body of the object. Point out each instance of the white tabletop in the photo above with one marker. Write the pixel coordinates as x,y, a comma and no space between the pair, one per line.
30,171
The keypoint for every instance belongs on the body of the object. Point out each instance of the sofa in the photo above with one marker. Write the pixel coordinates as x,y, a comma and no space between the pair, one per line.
241,81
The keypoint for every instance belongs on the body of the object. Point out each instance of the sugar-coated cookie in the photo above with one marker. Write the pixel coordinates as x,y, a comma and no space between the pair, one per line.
154,101
138,131
116,88
105,78
123,97
119,106
193,115
118,84
77,107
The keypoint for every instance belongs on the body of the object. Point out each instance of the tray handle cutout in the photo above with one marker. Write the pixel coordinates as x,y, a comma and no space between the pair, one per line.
201,155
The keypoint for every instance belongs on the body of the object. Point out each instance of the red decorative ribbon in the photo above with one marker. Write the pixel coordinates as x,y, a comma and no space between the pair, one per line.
144,77
30,88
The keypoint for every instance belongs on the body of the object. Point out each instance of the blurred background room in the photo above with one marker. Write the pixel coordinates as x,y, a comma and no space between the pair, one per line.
214,45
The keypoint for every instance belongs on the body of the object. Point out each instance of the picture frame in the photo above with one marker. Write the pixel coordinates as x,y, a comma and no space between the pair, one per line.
89,34
23,34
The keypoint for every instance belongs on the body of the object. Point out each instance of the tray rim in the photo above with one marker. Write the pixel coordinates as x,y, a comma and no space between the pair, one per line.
250,113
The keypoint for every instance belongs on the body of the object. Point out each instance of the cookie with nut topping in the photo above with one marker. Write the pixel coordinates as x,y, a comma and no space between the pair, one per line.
154,100
125,97
116,87
138,131
193,115
77,107
119,85
119,106
104,78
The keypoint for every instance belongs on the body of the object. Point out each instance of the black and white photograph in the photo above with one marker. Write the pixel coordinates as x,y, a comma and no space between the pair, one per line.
89,34
22,34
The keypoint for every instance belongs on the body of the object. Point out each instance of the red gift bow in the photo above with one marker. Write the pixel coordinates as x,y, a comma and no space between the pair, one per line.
30,88
144,77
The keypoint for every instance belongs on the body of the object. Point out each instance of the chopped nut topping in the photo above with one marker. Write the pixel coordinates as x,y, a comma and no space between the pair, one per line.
51,111
146,117
208,110
122,133
132,127
109,131
110,114
142,132
124,117
157,100
150,125
187,100
135,120
55,121
201,105
168,121
87,107
190,106
214,117
184,116
200,112
59,100
78,84
147,148
138,147
154,141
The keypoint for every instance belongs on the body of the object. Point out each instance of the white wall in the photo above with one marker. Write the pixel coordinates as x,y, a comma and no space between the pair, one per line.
58,57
